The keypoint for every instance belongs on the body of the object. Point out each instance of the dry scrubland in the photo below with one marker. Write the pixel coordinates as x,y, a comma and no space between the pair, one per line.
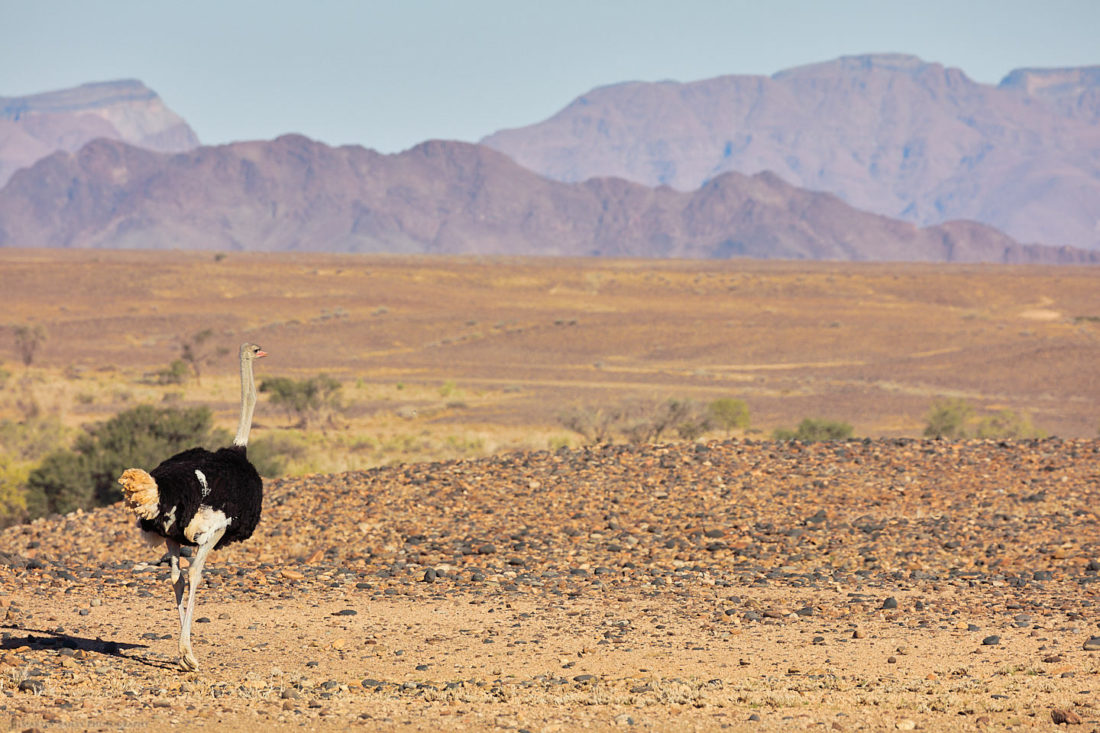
488,352
734,583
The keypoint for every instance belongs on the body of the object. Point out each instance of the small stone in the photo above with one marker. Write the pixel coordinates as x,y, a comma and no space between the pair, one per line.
346,612
857,634
992,640
291,574
1064,717
906,724
890,603
291,694
1092,644
36,687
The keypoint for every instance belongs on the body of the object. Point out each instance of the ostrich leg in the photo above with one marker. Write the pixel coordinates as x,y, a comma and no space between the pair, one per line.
194,577
177,576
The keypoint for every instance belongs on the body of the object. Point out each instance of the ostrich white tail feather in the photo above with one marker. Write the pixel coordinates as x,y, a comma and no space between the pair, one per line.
140,492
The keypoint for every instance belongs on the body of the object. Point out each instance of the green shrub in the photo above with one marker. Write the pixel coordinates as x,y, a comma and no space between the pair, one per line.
948,418
86,476
33,438
174,373
13,498
813,429
1008,424
729,414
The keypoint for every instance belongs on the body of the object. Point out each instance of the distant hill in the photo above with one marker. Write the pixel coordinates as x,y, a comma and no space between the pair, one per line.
295,194
887,133
35,126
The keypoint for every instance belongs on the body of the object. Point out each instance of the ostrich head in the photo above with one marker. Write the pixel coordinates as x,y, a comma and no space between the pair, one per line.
251,351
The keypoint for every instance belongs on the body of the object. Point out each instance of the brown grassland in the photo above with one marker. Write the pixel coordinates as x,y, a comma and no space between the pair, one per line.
446,555
490,351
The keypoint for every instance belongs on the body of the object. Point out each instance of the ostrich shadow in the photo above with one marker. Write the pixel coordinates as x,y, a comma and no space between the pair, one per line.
39,639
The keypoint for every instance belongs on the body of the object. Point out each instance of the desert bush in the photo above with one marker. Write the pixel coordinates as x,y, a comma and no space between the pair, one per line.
814,429
27,341
29,440
276,452
197,351
1008,424
86,475
595,425
13,498
174,373
638,422
729,414
948,418
309,400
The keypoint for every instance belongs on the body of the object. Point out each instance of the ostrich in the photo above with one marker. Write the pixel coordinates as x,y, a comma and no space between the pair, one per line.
202,499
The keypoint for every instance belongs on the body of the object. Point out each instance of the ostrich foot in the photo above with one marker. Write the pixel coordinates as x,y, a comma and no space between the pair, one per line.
188,663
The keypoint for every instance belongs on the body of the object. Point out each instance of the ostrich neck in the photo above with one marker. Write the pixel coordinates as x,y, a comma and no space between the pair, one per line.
248,403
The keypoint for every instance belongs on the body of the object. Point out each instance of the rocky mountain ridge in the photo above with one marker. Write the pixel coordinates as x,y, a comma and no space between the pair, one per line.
887,133
295,194
34,126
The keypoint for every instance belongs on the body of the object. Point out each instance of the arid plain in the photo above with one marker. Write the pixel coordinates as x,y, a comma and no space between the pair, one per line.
730,583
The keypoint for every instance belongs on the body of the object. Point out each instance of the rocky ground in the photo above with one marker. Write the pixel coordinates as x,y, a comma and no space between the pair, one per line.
745,585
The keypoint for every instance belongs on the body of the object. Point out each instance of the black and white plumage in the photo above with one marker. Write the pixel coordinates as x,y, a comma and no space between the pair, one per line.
200,498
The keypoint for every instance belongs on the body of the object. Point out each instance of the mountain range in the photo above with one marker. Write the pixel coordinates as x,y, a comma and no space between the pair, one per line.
34,126
887,133
626,170
296,194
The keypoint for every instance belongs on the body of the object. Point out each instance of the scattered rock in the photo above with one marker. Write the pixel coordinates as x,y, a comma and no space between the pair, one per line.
1064,717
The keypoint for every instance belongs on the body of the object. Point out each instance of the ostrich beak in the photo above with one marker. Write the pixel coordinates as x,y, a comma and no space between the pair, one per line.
261,354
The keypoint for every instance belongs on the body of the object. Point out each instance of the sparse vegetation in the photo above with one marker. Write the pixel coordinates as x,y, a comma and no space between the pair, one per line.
27,340
1008,424
174,373
13,500
812,430
948,418
197,351
954,419
85,476
729,414
308,402
638,422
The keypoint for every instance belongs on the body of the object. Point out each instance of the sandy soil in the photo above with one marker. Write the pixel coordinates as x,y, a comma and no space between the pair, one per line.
862,585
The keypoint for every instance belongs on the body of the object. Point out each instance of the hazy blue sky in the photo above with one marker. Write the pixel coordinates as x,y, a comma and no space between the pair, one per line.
388,75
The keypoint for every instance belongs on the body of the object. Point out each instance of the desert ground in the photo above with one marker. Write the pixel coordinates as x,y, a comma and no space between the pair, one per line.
472,565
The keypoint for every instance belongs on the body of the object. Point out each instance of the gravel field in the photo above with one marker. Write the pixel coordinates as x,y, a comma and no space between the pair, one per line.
743,585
